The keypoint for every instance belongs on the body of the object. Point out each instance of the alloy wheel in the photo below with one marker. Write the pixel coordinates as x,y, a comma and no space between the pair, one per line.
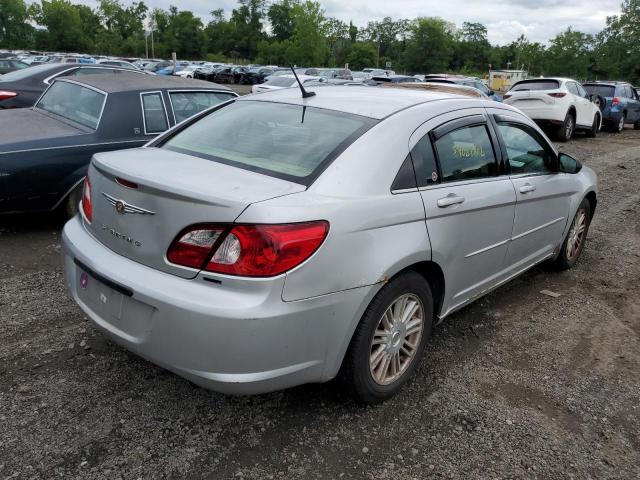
396,339
621,124
576,234
569,128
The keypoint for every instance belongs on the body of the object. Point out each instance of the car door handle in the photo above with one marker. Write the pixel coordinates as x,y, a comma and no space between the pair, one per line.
527,187
451,199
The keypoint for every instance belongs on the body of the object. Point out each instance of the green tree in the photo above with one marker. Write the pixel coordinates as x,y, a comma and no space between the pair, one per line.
280,15
15,29
570,54
64,26
430,48
362,55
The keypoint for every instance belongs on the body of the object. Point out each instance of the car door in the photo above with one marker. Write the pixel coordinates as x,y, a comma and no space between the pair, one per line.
584,116
590,107
633,105
469,203
542,195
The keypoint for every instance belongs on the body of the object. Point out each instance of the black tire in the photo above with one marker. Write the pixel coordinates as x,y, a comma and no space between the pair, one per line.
636,126
595,127
355,373
565,131
72,202
619,127
564,261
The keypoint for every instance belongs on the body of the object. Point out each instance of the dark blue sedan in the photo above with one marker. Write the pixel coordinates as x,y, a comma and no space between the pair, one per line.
45,150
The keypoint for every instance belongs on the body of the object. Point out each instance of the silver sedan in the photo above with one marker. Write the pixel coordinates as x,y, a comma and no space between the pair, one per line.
278,240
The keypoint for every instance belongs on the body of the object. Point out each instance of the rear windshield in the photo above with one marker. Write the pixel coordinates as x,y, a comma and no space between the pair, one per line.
536,85
286,141
74,102
280,81
602,90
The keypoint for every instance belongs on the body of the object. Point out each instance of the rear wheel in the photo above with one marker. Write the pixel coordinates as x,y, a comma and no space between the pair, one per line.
389,341
565,131
576,237
636,126
620,125
593,132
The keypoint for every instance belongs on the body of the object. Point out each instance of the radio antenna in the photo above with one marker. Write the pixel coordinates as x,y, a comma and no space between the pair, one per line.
305,94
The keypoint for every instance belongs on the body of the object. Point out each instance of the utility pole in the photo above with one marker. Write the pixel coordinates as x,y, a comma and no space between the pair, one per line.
153,53
146,45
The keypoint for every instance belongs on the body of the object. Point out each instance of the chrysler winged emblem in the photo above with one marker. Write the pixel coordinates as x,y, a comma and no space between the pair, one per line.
123,207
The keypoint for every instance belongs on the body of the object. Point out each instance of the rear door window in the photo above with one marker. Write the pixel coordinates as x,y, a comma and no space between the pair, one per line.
187,104
573,88
466,154
154,114
424,161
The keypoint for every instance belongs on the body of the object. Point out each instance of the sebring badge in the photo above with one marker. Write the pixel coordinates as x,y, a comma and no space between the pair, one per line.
123,207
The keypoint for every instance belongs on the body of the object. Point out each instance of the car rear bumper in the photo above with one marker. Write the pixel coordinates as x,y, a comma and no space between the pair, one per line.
235,341
550,114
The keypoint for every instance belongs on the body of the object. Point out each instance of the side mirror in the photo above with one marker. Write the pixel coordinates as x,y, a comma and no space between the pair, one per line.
568,164
491,93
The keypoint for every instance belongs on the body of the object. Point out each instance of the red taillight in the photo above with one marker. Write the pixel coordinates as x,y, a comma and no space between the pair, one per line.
86,199
615,101
557,94
505,96
6,95
248,250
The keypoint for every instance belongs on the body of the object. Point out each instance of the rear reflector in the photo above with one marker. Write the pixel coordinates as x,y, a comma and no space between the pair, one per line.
5,95
126,183
248,250
192,248
87,208
557,94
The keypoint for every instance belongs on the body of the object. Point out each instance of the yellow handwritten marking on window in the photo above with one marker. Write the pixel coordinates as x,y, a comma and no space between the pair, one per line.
468,151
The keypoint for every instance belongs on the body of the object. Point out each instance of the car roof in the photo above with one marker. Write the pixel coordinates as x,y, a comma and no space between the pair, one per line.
611,83
356,100
125,81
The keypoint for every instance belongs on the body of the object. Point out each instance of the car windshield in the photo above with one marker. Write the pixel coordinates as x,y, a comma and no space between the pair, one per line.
186,104
536,85
281,81
292,142
74,102
602,90
23,73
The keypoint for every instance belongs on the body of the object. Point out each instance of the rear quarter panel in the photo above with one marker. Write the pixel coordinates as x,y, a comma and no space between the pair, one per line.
373,233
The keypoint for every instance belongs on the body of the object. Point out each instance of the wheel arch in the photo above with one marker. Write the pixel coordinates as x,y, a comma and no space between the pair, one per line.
433,274
572,111
593,201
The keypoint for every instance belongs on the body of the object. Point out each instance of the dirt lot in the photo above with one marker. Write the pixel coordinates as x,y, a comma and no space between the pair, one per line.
518,385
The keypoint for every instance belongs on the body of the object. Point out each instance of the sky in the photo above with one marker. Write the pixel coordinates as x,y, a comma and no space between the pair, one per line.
539,20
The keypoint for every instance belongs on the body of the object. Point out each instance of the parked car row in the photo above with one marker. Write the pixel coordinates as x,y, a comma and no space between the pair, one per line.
567,106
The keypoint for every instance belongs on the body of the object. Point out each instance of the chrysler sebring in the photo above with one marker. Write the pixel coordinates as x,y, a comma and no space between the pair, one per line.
277,239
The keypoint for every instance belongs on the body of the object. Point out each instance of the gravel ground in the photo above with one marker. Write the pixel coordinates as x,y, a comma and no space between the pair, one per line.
518,385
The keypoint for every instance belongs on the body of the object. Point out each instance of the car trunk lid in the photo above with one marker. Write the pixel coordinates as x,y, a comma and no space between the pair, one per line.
143,198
